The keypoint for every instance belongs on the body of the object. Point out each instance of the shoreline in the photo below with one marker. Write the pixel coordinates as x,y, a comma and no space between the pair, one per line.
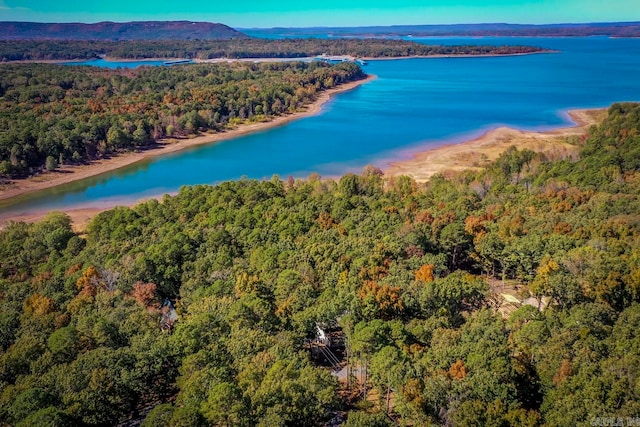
71,173
80,60
262,59
475,153
462,55
421,164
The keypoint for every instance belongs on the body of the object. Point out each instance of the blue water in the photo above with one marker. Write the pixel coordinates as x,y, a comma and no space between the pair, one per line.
414,104
103,63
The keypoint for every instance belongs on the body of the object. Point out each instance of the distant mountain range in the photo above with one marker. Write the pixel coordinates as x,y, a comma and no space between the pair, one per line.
613,29
187,30
147,30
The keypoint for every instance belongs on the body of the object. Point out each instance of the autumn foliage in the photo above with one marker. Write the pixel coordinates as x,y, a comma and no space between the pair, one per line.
144,293
38,305
255,267
386,299
88,283
425,273
564,371
458,371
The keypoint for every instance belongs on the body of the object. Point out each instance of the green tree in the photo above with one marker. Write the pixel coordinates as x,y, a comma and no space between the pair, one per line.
225,406
363,419
51,163
47,417
159,416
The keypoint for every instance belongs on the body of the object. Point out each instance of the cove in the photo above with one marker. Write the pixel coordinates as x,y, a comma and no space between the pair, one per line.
413,105
104,63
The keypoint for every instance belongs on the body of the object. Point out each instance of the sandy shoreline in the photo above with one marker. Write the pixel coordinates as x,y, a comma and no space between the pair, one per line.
476,153
67,174
472,154
465,55
79,61
284,59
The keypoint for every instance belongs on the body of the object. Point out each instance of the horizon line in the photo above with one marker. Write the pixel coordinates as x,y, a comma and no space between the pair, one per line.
332,26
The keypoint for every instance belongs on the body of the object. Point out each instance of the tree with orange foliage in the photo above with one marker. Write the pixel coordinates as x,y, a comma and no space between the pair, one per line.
380,301
564,371
425,273
38,305
144,293
87,284
325,221
474,226
458,371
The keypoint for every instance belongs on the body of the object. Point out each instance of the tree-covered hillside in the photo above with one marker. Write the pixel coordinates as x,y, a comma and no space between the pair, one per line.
404,270
140,30
20,50
53,114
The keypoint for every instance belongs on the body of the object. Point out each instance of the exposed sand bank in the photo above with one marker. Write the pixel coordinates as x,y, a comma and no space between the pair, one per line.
461,55
67,174
370,58
476,153
79,217
453,157
284,59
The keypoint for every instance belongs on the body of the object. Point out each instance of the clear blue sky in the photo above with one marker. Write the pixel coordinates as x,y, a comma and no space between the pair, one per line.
270,13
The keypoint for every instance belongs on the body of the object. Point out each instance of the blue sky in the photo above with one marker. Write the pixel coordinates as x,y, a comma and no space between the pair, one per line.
270,13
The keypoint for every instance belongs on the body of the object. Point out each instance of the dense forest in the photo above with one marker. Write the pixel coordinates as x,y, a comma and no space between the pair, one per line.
404,271
17,50
53,114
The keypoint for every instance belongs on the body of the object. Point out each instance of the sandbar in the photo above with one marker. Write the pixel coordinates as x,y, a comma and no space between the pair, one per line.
478,152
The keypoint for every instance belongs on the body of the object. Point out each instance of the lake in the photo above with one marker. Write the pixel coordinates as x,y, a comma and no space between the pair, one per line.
104,63
414,104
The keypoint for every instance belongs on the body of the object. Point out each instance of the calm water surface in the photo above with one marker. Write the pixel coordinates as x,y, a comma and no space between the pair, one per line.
414,104
103,63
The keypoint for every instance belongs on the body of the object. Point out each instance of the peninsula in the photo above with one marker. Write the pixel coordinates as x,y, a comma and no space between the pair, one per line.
185,128
248,48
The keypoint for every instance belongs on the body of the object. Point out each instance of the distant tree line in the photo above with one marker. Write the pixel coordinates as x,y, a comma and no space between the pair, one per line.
53,114
17,50
614,29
